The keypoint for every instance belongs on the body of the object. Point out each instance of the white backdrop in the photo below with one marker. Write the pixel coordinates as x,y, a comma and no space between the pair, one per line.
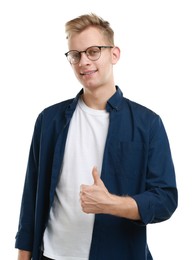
155,70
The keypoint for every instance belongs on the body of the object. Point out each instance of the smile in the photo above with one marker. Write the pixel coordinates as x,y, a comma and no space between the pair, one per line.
88,72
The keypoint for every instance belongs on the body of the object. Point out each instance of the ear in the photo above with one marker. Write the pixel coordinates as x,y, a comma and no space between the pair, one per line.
115,55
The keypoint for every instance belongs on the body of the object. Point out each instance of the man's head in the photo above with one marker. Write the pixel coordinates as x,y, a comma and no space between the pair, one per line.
92,53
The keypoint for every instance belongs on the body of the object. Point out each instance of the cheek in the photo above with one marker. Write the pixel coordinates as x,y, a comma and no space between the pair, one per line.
76,71
107,68
108,62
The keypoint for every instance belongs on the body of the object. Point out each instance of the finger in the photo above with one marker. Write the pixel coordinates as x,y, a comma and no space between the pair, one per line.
96,177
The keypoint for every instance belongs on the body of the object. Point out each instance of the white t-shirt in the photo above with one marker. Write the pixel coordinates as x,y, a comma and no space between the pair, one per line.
69,232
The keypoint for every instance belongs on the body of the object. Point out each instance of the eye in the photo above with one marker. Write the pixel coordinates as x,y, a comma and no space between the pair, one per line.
93,51
75,55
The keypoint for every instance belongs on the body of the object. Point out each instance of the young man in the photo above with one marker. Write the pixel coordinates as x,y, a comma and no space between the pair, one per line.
100,167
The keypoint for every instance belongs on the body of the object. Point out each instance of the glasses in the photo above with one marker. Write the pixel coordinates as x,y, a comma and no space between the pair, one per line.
93,53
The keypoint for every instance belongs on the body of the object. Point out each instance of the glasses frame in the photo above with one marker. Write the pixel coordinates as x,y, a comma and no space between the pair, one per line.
85,51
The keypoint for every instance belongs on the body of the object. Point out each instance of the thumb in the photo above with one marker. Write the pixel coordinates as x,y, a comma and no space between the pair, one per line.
96,177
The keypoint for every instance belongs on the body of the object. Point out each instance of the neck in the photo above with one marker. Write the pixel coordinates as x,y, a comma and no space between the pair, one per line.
97,98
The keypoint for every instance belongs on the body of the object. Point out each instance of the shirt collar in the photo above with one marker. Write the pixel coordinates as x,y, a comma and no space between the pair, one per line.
113,103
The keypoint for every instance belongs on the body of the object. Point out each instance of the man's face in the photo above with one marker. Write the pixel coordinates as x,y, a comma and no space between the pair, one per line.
93,74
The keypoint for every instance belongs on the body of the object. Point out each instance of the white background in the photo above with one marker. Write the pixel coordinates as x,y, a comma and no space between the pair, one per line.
155,70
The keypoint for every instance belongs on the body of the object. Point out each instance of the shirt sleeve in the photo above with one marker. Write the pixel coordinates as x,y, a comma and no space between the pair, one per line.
24,236
160,198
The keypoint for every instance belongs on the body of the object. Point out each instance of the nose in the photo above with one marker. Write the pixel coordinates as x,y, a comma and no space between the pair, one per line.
83,59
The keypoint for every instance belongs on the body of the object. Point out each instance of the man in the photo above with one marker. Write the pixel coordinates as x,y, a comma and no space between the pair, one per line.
100,167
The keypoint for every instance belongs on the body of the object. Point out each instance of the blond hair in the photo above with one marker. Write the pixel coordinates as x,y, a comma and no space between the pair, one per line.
82,22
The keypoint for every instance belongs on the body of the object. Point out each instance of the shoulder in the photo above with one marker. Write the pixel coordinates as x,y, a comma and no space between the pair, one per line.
144,118
60,106
53,113
140,110
57,108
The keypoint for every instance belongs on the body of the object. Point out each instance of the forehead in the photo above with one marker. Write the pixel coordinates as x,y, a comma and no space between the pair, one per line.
88,37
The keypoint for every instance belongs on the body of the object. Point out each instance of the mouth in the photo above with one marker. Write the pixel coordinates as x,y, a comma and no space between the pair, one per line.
90,72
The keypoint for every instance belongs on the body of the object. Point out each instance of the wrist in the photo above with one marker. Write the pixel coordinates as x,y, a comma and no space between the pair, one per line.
124,206
24,255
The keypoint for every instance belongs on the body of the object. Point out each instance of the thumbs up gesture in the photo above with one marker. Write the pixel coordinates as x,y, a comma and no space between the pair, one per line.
94,198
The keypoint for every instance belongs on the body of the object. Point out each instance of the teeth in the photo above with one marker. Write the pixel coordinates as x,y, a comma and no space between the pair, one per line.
87,73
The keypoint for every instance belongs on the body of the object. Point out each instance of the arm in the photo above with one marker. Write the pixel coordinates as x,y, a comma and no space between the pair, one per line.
123,207
154,203
25,234
96,199
24,255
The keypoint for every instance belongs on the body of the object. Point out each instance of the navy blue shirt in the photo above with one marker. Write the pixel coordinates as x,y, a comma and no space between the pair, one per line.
137,162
